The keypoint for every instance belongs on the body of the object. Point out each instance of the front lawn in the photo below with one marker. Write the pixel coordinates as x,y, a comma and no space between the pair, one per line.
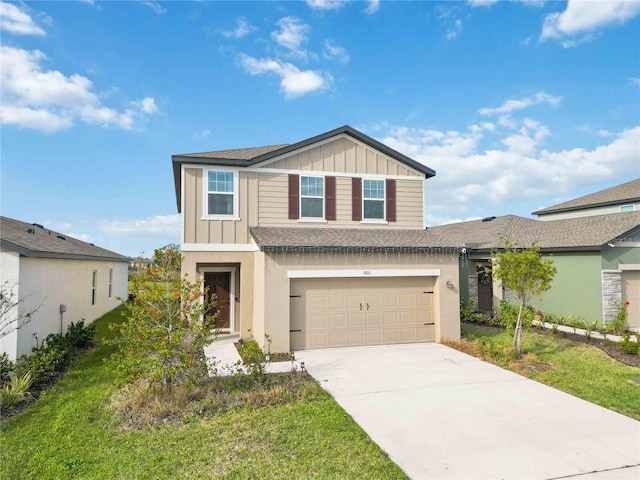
71,432
574,367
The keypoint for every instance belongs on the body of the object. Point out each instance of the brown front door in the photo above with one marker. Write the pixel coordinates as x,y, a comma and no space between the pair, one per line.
219,284
485,290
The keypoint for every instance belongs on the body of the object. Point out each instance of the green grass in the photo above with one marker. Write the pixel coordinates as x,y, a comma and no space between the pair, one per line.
576,368
70,432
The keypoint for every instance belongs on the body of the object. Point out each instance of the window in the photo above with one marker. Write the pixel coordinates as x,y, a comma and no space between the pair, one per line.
312,197
373,199
94,283
627,208
221,193
110,281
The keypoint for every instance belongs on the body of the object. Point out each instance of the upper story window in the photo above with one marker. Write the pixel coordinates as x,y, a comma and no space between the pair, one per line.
627,208
222,194
311,197
373,199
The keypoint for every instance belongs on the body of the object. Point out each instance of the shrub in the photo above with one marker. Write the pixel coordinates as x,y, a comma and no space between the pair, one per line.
80,336
6,368
15,391
469,313
508,315
619,324
629,346
253,358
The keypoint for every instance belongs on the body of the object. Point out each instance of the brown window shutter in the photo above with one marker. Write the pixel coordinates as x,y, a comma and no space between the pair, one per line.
356,199
294,196
330,198
390,187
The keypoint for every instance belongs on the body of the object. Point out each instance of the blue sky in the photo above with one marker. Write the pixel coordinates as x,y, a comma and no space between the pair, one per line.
516,105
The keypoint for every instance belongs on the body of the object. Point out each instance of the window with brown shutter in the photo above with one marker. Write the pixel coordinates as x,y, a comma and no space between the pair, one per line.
390,187
356,199
330,198
294,194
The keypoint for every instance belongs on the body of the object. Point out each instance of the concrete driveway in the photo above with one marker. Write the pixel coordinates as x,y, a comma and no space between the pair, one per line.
440,414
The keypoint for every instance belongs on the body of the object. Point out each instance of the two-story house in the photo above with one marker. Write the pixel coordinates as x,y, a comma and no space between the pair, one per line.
317,244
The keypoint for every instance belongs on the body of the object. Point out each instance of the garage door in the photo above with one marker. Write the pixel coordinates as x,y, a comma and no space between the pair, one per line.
631,294
340,312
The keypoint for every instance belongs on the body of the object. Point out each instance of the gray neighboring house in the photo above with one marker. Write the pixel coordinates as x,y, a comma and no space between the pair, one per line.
597,257
67,278
619,199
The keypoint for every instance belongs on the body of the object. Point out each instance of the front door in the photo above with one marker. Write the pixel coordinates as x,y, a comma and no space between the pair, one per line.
219,284
485,290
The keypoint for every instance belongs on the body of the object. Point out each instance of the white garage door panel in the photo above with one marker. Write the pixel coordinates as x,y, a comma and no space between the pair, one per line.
336,312
631,294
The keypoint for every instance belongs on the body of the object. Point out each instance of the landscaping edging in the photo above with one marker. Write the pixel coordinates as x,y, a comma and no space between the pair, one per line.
582,331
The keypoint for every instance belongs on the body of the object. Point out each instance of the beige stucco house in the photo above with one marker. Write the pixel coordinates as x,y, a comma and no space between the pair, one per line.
63,279
317,244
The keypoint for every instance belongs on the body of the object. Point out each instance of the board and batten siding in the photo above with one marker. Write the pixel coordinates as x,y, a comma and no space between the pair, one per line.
197,229
342,156
263,196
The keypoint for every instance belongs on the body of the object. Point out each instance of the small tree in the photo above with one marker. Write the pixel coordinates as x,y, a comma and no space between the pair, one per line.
166,329
169,259
12,316
526,273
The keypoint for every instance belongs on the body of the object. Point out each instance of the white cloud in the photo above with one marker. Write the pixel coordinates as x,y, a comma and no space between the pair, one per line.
481,3
292,35
47,100
336,52
15,20
454,30
148,227
84,237
582,17
326,4
201,134
293,81
372,7
519,104
156,7
635,81
243,28
469,176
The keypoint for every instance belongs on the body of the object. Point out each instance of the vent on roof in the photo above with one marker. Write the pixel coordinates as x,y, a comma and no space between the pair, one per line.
31,231
488,219
37,225
60,237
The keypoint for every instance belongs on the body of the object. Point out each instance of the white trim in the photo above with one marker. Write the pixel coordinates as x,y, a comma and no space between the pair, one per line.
394,272
182,202
312,220
232,290
378,221
629,267
236,193
319,173
300,197
219,247
632,209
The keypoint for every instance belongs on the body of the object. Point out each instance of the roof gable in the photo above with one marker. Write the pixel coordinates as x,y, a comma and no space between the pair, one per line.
247,157
33,240
620,194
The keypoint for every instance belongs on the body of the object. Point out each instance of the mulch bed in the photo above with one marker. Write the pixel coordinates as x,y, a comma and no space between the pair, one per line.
610,348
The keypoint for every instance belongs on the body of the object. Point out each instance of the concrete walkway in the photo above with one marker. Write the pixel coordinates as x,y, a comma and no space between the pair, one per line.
442,414
226,361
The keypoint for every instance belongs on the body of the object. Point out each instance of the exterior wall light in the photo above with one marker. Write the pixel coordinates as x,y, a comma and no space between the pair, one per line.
449,284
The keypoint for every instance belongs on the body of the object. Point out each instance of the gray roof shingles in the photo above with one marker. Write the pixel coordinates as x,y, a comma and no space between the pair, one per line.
620,194
32,240
572,233
291,239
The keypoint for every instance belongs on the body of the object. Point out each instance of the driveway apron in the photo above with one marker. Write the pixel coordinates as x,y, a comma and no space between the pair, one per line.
442,414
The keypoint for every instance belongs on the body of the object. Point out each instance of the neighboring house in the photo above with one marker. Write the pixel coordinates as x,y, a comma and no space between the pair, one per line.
619,199
597,257
317,244
67,279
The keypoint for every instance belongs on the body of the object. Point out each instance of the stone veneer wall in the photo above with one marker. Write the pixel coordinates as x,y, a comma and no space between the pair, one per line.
611,294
